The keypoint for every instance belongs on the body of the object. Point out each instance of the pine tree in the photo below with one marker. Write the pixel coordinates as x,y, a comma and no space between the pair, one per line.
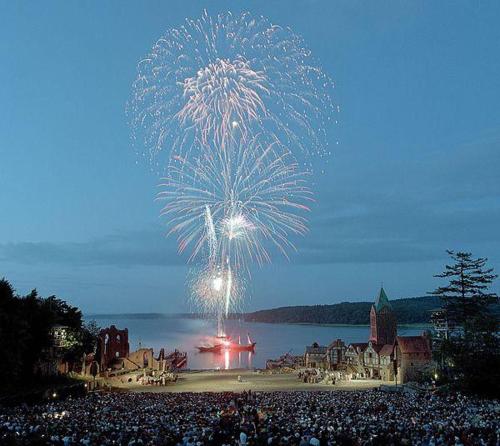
466,294
473,350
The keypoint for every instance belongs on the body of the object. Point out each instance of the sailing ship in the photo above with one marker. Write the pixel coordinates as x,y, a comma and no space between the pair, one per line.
224,343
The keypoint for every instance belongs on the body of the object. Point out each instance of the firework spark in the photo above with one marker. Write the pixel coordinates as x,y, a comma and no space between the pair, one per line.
231,208
216,290
232,110
237,205
222,97
205,80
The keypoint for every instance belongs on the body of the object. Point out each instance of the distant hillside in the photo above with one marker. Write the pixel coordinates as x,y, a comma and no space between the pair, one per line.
414,310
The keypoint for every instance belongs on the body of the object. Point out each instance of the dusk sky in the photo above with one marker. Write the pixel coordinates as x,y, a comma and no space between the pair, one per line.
416,170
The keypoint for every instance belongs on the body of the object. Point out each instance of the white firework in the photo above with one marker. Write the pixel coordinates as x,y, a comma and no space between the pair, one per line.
230,72
232,110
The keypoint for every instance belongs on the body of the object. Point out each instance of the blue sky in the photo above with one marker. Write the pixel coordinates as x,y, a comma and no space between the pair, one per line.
416,170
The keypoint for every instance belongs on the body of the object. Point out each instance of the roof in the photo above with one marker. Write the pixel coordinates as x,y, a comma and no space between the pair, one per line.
413,344
382,301
321,350
359,345
376,347
386,350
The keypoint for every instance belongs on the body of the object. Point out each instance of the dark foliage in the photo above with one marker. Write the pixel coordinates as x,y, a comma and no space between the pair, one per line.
466,293
470,352
408,311
25,333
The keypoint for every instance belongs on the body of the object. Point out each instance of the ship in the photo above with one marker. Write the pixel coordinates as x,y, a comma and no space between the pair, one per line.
217,348
224,343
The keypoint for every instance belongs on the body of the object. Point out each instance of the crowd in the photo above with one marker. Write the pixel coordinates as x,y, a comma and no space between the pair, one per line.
265,418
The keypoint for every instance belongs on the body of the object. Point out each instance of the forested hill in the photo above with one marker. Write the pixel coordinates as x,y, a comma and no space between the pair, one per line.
414,310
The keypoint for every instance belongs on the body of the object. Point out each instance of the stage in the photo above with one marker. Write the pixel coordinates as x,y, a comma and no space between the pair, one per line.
227,381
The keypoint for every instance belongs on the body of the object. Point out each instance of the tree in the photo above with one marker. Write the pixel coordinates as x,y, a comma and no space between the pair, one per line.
62,313
27,337
472,351
80,341
466,293
90,335
14,335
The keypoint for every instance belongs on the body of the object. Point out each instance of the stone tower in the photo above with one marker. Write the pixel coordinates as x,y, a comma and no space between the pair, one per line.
112,343
383,325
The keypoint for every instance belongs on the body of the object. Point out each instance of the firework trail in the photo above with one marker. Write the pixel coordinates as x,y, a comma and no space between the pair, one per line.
238,207
232,110
210,234
235,205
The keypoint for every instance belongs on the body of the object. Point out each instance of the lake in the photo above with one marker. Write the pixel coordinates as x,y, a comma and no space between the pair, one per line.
273,340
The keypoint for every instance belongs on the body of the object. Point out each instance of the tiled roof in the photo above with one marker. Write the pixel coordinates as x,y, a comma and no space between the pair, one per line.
413,344
386,350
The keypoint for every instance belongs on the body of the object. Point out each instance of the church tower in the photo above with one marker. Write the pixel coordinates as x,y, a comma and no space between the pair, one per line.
383,325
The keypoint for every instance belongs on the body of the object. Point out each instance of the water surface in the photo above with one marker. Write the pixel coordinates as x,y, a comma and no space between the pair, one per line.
273,340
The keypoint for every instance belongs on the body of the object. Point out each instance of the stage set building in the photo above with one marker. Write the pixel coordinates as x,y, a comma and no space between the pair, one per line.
385,356
112,356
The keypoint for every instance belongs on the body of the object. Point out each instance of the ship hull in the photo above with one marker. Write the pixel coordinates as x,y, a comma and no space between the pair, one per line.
225,344
210,349
242,348
218,348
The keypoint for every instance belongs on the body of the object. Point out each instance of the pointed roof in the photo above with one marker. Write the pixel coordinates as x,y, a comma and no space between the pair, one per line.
360,346
386,350
413,344
375,347
382,301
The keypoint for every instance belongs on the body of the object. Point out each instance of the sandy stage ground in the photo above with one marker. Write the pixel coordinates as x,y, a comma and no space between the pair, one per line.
227,380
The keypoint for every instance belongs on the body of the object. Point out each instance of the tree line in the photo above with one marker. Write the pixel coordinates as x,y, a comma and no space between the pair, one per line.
414,310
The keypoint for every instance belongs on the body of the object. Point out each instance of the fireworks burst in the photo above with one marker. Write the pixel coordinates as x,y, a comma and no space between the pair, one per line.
222,97
214,75
216,290
236,205
232,110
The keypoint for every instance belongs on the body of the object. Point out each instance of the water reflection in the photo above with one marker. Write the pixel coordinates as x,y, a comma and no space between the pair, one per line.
225,359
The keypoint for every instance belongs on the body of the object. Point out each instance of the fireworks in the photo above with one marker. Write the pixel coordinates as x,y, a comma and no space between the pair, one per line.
215,79
216,290
220,97
232,111
239,204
